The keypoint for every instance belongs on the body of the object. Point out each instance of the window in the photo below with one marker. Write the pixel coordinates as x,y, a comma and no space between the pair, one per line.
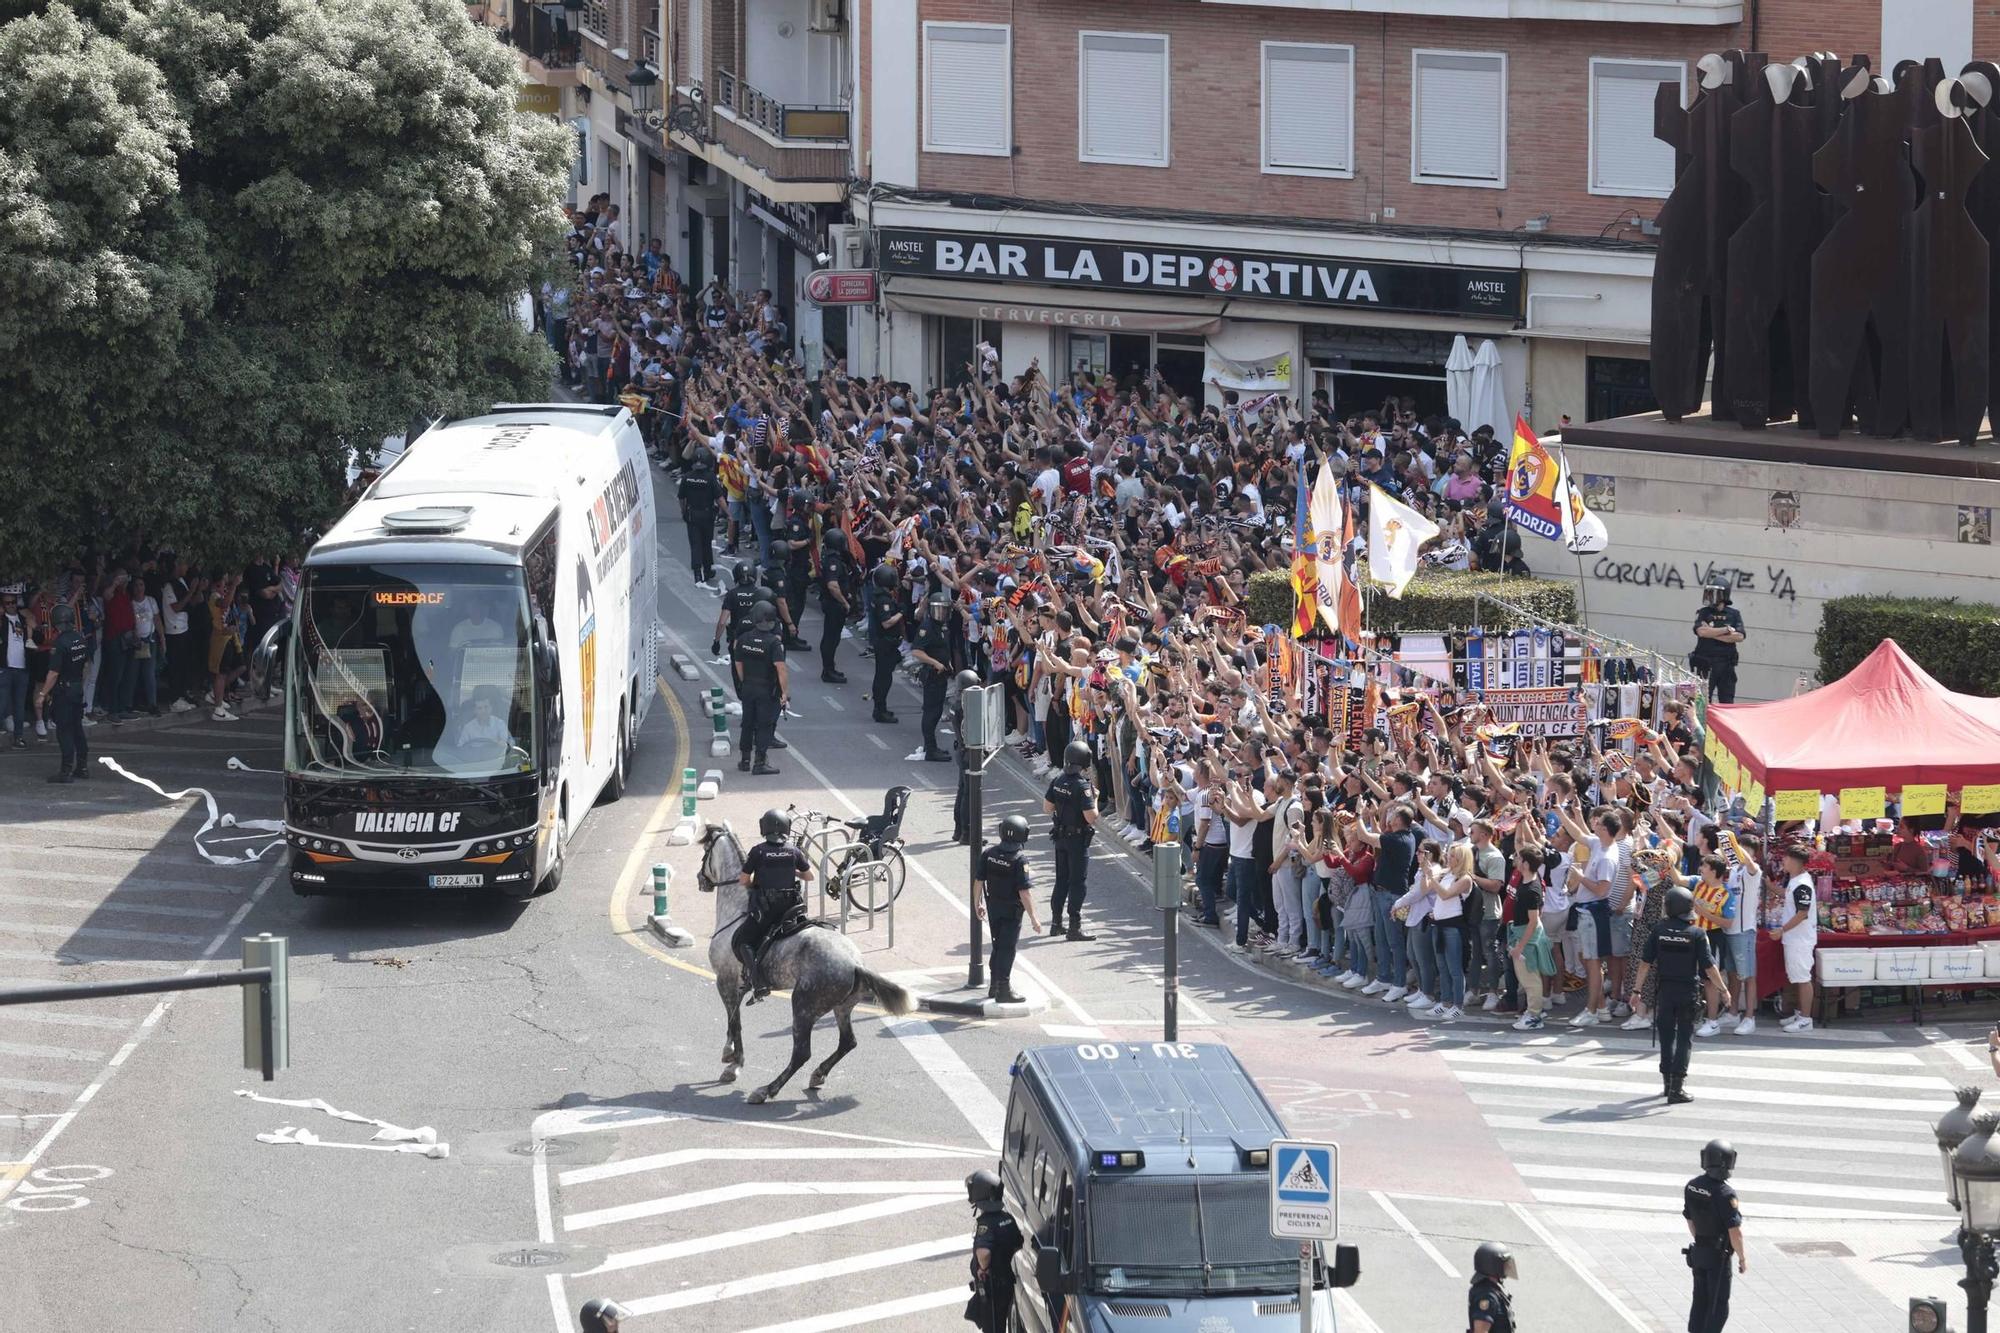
1308,109
967,89
1458,119
595,19
1625,158
1122,98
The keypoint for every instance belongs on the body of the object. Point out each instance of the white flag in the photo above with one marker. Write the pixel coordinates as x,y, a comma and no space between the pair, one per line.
1323,517
1582,531
1395,532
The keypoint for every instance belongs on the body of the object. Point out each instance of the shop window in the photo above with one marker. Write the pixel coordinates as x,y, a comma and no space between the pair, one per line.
1088,354
1308,109
1458,119
1618,386
968,89
1181,361
1122,98
1625,158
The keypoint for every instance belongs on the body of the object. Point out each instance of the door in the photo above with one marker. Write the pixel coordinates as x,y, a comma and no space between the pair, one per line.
697,225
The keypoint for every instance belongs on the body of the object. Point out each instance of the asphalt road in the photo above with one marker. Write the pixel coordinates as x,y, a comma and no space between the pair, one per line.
570,1061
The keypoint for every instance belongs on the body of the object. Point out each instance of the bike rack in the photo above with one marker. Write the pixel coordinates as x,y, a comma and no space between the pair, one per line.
855,873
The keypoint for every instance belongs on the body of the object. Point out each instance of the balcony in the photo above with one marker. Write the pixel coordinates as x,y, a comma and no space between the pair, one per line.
1687,13
791,153
551,46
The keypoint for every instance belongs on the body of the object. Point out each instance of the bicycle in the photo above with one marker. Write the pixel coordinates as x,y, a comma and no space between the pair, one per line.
878,838
812,833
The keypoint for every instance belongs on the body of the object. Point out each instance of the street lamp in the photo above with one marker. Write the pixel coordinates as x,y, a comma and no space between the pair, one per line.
644,81
1976,1173
1953,1128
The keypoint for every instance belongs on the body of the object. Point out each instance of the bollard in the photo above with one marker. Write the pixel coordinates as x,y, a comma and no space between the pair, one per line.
687,793
266,1007
660,874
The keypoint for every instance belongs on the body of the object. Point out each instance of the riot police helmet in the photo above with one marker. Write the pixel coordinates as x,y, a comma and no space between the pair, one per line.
1076,757
764,615
1715,592
745,574
774,825
702,459
885,577
982,1187
1680,903
600,1315
1494,1260
1718,1158
1013,831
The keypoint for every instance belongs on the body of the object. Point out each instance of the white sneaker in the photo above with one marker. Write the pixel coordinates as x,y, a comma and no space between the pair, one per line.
1419,1001
1453,1011
1803,1023
1355,981
1492,1002
1529,1022
1709,1028
1393,995
915,756
1605,1015
41,727
1636,1023
177,706
1747,1026
1621,1010
221,713
1015,738
1438,1010
89,721
1556,1000
1584,1020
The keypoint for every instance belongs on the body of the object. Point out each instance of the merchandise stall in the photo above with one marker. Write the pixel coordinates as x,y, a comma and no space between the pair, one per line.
1886,743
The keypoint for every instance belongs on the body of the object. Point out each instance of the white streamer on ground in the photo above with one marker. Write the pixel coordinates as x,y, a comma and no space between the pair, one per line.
387,1137
238,766
216,819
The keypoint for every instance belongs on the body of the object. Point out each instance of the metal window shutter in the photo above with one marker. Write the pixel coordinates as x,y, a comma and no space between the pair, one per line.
1459,108
1627,156
1306,122
965,88
1124,98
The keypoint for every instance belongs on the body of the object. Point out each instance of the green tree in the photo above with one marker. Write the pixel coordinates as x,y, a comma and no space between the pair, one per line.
239,237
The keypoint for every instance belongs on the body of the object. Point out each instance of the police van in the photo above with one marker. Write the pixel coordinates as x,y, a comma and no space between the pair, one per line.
1138,1174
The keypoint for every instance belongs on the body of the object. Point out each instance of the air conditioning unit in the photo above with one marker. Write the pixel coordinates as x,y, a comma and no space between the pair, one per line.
828,15
849,243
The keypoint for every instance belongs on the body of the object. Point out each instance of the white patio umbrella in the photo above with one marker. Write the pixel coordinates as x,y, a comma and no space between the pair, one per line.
1458,382
1489,393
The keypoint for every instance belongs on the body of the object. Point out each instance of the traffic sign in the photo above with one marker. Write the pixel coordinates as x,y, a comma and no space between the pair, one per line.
1304,1177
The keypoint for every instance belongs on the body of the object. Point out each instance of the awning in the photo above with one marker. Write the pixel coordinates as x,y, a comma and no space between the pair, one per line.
1013,303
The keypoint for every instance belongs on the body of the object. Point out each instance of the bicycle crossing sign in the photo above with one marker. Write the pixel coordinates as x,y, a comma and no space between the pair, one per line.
1304,1178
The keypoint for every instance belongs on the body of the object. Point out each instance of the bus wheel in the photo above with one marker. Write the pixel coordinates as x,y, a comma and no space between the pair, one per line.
553,879
614,786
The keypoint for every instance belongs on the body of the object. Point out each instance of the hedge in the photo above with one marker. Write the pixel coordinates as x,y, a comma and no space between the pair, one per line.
1957,642
1436,601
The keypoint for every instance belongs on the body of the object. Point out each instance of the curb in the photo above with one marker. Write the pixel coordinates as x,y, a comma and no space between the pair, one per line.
980,1007
166,721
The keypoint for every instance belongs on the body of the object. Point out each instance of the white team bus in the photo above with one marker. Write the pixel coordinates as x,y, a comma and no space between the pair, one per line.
471,656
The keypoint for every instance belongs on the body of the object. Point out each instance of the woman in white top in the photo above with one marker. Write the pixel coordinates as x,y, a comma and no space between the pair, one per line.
1413,909
1448,887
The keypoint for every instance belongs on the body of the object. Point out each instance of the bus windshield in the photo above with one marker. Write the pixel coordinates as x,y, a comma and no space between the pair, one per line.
412,669
1187,1235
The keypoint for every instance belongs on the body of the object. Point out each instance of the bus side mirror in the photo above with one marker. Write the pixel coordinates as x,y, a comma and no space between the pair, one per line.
1346,1266
265,654
1048,1267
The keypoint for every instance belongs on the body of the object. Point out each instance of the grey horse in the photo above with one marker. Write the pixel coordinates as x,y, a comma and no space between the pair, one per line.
821,969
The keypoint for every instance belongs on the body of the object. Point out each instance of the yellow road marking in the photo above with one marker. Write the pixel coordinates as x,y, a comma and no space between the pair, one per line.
621,921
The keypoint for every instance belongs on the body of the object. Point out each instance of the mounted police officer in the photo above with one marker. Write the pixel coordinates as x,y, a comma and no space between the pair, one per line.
698,491
836,599
1680,949
62,693
932,652
996,1239
1488,1308
775,872
734,617
1718,628
1073,802
1708,1202
762,683
885,636
1000,895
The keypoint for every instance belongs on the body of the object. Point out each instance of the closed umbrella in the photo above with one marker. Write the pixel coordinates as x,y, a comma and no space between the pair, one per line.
1458,382
1488,404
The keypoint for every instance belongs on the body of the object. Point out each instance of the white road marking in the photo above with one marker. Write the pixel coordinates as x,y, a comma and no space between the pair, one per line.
1066,1032
1651,1129
935,1056
1353,1319
1576,1265
33,1085
1660,1203
98,932
1708,1048
1709,1067
1383,1202
86,905
661,1161
73,957
55,1018
873,740
1954,1050
545,1230
833,703
769,1231
868,1314
149,885
1651,1088
754,1189
793,1277
1761,1188
26,1052
1654,1112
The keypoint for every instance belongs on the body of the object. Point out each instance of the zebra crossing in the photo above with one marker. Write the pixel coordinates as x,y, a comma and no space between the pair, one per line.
881,1223
1823,1130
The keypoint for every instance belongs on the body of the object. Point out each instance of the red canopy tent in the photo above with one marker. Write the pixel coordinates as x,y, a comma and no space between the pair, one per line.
1885,724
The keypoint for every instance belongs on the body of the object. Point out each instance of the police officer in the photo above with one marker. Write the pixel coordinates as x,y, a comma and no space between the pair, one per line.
932,654
1708,1202
836,600
698,491
762,683
774,871
62,693
996,1239
1000,896
734,617
1488,1308
1718,628
601,1315
773,592
797,543
1680,949
1073,801
885,636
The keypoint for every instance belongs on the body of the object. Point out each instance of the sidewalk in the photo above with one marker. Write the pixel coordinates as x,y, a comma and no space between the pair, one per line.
101,732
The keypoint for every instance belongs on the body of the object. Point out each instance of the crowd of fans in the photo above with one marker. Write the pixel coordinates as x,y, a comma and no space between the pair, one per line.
1089,543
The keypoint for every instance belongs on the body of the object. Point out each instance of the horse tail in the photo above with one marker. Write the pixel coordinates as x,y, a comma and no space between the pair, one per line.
886,992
